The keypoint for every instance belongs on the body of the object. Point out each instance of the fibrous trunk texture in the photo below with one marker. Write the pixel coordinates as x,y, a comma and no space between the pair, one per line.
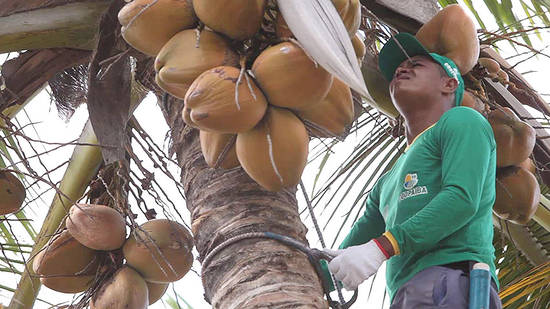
251,273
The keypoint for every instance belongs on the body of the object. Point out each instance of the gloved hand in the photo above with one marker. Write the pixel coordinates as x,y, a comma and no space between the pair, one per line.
356,264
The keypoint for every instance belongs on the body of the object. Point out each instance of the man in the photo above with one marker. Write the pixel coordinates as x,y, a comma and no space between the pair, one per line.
430,216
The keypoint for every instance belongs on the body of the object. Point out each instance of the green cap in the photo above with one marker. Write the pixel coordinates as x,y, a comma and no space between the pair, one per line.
393,54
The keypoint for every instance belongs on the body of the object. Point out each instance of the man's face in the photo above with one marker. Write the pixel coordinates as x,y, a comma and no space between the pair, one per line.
420,78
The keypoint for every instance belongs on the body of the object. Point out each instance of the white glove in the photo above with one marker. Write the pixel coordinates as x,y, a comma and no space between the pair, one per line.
356,264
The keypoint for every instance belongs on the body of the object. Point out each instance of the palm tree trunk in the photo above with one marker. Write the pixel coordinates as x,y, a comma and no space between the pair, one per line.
251,273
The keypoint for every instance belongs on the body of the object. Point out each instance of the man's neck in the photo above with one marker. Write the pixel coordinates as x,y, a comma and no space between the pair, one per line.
419,120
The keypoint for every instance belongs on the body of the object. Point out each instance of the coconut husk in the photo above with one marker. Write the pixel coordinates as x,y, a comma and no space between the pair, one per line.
274,153
187,55
333,114
126,289
148,24
452,33
216,103
12,193
378,86
97,227
156,291
239,20
517,194
219,149
65,265
289,78
160,250
515,138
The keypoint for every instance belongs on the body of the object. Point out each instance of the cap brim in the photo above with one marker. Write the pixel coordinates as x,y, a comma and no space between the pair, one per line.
393,54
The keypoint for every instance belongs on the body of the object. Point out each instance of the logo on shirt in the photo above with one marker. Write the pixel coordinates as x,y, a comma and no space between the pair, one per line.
410,181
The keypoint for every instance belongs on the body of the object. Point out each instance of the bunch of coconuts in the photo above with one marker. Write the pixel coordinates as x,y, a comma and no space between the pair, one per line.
157,252
517,189
12,193
251,112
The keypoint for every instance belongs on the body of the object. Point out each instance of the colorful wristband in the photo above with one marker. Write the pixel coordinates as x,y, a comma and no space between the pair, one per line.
393,242
382,248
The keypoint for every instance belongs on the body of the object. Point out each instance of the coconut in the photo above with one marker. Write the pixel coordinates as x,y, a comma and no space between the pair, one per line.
148,24
65,265
175,89
156,291
452,33
289,78
378,86
472,101
274,153
160,250
352,17
216,104
517,195
491,65
213,146
12,193
96,226
529,165
341,6
359,47
126,289
333,114
503,77
238,20
186,56
515,138
186,115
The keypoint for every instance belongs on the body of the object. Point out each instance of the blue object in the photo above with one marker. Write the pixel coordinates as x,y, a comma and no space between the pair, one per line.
480,285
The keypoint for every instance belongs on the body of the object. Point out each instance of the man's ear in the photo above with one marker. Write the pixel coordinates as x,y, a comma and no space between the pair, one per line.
449,85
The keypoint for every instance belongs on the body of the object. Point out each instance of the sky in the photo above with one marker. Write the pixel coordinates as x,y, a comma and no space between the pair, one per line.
51,128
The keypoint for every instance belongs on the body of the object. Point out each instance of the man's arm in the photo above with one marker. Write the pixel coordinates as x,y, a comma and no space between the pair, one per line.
467,145
368,226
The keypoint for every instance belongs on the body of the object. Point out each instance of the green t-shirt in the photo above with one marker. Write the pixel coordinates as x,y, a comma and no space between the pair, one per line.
437,199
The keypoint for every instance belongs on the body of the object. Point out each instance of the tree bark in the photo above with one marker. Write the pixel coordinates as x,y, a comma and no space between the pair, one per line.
252,273
49,24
